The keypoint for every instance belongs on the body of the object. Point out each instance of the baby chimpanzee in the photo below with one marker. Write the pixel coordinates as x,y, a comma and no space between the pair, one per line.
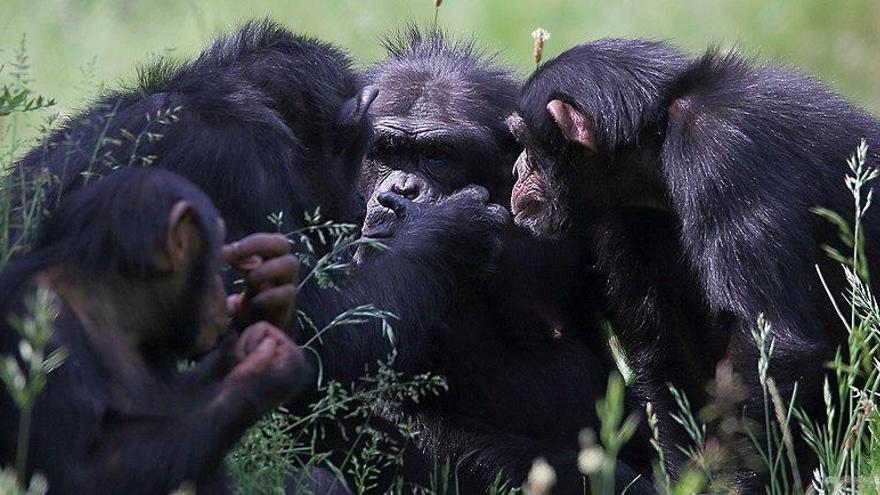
130,265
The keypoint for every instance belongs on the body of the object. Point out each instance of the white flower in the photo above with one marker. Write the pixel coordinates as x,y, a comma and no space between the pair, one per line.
590,460
541,34
541,479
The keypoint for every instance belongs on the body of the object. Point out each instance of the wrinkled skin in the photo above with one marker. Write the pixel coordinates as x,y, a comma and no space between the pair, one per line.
538,203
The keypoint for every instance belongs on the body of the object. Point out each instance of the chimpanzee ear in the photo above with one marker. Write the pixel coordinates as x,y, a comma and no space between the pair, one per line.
355,109
181,235
574,124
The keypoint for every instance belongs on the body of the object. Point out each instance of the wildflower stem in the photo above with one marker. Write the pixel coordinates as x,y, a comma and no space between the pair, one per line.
21,455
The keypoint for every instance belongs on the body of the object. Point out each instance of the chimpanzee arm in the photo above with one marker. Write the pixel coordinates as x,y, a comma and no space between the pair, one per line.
414,290
435,249
129,438
84,444
156,455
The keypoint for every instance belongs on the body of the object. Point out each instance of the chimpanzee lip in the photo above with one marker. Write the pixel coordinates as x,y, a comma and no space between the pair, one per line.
379,232
525,210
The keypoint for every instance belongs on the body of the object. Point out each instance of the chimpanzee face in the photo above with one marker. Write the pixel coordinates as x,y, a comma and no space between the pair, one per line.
429,142
214,318
201,293
540,197
560,179
421,166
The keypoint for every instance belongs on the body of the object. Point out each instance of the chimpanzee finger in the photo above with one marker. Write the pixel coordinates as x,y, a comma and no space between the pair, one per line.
233,304
478,193
263,245
281,338
289,358
396,203
250,338
276,304
498,215
263,353
276,271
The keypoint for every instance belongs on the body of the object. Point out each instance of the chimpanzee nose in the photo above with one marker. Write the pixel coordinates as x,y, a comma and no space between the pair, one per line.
409,189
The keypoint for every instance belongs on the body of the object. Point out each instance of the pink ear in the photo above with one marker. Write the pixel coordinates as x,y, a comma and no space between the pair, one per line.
575,126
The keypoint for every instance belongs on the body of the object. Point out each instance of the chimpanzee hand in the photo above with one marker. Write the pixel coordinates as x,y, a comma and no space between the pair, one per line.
270,367
270,272
463,225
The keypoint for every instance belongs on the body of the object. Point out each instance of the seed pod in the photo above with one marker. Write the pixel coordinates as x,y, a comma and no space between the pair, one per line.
540,35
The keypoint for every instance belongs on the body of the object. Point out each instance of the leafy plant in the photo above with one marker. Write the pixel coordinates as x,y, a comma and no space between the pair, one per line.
598,460
25,380
844,442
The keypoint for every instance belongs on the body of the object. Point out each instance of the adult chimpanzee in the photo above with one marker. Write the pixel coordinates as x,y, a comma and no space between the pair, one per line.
264,122
521,350
132,266
735,153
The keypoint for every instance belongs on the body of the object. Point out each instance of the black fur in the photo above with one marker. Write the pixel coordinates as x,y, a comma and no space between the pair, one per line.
263,124
265,121
254,121
108,421
522,351
435,82
739,153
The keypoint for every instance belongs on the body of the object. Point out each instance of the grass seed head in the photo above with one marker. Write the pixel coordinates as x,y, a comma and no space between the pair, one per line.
540,36
541,478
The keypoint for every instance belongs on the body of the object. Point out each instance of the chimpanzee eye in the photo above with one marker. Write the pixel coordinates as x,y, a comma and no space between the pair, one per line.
436,153
381,147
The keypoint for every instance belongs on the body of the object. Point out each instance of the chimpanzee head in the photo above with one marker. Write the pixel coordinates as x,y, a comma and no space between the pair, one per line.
438,123
321,99
590,121
145,245
263,121
298,117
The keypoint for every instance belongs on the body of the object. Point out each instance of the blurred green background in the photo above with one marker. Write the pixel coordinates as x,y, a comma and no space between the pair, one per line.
76,44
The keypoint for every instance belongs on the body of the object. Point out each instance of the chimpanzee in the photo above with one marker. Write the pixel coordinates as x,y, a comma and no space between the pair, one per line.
735,153
522,350
268,122
131,263
264,122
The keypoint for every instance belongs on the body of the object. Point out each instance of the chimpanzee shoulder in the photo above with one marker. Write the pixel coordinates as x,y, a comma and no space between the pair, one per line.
757,134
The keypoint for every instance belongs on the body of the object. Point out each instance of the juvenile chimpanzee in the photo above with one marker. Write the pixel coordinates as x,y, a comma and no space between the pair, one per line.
265,121
522,350
132,266
735,153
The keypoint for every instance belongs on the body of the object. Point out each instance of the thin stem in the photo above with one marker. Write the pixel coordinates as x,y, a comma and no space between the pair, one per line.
24,428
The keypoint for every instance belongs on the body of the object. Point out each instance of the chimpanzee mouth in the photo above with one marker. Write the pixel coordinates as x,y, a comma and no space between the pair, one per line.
383,230
375,235
379,223
527,211
370,235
